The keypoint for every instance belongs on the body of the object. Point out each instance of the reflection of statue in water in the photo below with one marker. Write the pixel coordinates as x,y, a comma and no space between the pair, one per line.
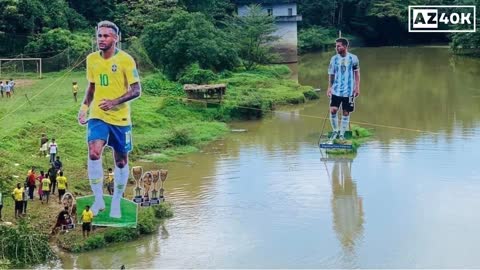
346,205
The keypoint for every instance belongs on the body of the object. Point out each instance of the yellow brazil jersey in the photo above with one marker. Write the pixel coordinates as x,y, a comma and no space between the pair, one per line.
75,88
46,184
87,216
112,77
109,178
18,194
62,182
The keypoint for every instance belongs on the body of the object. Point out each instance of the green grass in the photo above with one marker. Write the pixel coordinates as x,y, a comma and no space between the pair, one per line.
128,208
254,93
356,138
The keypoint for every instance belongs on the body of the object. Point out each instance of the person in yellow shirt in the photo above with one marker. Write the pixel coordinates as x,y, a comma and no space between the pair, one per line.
75,90
46,188
113,82
110,181
17,196
87,218
62,186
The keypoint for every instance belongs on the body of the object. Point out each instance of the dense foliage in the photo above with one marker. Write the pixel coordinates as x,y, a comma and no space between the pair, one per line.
186,38
173,34
253,35
57,40
23,245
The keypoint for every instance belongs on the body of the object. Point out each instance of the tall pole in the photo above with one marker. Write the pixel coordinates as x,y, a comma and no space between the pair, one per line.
40,68
23,66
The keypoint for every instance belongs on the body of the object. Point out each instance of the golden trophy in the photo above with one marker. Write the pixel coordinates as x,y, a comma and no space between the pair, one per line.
163,177
147,184
137,172
156,177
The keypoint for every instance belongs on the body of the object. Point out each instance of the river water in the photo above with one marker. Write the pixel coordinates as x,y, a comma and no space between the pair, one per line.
266,198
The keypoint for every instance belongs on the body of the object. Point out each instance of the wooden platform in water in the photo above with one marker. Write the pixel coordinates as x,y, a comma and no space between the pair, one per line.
347,145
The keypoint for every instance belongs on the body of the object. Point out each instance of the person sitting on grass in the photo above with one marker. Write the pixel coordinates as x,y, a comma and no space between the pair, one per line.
62,219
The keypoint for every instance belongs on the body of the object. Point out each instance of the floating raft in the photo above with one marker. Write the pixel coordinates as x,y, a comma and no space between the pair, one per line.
345,145
336,146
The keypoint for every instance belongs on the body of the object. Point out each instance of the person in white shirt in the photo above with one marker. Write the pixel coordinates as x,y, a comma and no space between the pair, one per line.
53,150
7,88
12,85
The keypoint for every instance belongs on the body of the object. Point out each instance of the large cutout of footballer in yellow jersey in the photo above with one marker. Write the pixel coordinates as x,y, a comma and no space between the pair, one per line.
113,81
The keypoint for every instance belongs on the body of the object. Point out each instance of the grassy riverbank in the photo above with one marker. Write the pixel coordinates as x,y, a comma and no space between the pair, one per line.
164,126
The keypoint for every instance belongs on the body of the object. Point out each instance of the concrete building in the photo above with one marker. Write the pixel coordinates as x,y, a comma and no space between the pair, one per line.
286,18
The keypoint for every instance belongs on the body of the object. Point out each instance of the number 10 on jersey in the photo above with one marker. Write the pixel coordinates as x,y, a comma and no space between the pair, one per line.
103,79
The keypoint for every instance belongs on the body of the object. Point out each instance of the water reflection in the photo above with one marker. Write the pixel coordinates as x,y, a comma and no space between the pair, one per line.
346,205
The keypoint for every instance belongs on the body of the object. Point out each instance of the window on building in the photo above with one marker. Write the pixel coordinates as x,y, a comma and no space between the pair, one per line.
290,12
270,11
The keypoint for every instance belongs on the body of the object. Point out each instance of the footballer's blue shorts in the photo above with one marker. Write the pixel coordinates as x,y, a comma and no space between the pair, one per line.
117,137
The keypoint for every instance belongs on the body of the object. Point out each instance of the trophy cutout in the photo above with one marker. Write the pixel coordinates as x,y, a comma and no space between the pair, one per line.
137,172
156,177
147,180
163,177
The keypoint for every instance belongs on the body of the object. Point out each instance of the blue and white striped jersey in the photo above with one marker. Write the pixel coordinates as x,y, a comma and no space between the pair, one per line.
342,68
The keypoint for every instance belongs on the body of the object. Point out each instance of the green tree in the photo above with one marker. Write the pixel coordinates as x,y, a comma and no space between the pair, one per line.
94,10
186,38
316,38
58,40
317,12
35,16
134,15
467,43
253,35
217,10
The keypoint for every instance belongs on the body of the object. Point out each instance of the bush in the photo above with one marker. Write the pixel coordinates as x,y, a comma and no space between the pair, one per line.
94,242
187,38
310,94
315,38
180,136
120,235
146,221
23,245
194,74
138,52
158,85
359,132
163,210
58,40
